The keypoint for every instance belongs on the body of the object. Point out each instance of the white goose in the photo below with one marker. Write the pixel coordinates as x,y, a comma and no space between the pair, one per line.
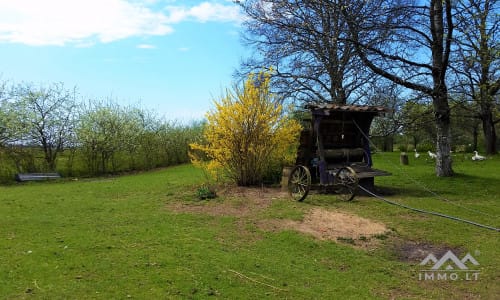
432,155
477,156
416,154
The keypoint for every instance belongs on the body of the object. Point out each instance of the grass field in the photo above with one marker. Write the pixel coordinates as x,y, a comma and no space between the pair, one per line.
146,236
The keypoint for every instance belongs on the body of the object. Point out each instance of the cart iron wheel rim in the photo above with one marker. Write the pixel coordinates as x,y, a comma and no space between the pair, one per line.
299,183
346,182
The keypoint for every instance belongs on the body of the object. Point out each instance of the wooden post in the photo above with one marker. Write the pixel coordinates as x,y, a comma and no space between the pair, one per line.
284,178
403,158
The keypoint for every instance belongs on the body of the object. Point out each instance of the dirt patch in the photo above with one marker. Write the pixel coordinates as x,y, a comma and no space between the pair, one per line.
415,252
333,225
238,202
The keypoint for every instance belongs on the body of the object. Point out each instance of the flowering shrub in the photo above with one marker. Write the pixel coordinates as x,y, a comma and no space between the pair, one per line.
247,132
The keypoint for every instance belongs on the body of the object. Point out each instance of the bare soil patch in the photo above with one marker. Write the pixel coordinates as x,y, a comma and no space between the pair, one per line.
333,225
415,252
237,202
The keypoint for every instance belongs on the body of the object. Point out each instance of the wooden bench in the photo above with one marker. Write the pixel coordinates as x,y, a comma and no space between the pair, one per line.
21,177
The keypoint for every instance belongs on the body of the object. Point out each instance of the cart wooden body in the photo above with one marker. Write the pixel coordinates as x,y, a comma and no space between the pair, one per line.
334,150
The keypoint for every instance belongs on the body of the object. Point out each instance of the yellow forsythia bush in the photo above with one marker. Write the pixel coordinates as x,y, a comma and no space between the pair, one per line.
246,133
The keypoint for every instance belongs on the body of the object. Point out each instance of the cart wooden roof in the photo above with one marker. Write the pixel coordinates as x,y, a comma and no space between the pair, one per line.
327,108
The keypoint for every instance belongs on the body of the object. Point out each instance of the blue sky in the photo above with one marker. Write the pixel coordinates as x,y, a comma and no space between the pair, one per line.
170,56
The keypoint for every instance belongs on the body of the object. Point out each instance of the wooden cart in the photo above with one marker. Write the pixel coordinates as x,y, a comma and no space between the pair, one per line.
334,151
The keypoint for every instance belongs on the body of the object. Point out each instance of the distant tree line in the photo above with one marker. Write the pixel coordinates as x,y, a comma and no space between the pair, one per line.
48,128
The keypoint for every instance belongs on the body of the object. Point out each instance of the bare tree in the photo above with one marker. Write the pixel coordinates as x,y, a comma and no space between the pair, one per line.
409,43
477,61
387,94
305,44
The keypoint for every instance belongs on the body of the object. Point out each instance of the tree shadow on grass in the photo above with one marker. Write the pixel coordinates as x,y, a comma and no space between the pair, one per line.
458,185
414,192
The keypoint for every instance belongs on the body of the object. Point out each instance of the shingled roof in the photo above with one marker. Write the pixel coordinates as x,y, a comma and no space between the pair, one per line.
347,108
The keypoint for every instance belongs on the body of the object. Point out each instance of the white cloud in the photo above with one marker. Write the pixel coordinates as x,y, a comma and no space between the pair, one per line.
58,22
205,12
146,46
85,22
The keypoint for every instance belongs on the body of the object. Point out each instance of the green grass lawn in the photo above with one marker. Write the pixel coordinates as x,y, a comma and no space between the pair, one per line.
116,238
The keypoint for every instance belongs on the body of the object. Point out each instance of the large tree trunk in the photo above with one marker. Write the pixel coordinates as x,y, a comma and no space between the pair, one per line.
440,56
443,134
490,135
475,134
443,160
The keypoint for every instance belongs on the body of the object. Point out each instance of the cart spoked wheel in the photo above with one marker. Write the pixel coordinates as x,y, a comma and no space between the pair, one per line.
299,183
346,182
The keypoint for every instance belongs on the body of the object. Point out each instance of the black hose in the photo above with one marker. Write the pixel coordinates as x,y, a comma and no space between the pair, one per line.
429,212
